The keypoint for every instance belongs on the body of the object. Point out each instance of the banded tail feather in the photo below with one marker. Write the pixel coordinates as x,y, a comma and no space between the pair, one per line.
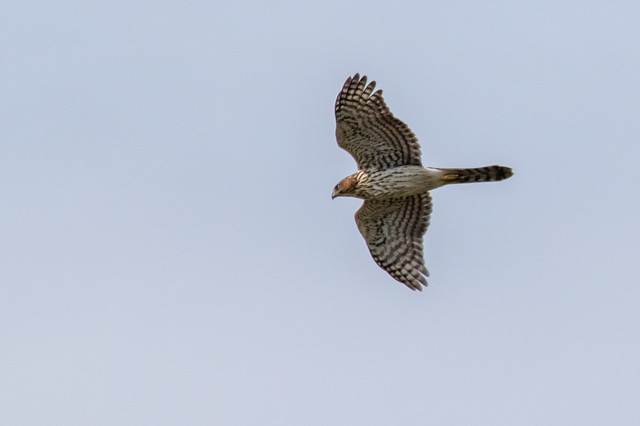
478,174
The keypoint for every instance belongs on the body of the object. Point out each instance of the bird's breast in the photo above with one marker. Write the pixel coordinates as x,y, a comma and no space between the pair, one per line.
400,181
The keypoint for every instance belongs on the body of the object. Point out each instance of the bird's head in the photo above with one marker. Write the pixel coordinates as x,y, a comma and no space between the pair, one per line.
345,188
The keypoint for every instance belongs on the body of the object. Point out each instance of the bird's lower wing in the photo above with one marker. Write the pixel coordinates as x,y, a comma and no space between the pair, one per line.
393,229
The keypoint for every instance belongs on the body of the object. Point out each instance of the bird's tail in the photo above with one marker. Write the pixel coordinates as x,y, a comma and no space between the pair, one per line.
478,174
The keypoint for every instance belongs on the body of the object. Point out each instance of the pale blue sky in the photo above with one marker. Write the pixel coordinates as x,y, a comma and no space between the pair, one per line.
171,255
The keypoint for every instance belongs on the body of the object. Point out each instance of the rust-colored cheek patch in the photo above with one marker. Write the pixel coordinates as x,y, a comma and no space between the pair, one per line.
348,184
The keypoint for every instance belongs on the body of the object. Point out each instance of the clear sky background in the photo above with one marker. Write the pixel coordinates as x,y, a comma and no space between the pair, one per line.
170,253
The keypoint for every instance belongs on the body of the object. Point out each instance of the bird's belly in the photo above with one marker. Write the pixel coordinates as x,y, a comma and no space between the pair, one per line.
402,181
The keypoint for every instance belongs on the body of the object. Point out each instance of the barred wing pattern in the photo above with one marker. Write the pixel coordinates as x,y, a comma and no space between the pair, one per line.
368,130
393,229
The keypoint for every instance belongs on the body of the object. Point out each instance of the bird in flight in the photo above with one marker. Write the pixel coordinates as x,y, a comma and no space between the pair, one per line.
391,180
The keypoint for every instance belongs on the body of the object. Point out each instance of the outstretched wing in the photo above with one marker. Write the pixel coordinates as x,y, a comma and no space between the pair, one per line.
393,229
369,132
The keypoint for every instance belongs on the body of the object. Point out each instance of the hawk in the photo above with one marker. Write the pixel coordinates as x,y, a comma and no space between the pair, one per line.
391,180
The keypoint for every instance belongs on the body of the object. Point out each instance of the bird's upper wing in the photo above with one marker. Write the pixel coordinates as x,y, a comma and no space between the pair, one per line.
393,229
369,132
